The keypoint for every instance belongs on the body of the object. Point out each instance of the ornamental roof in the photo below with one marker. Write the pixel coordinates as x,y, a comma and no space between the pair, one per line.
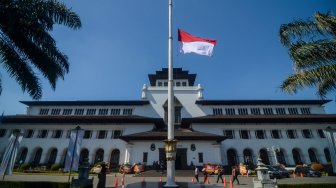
86,103
261,102
178,73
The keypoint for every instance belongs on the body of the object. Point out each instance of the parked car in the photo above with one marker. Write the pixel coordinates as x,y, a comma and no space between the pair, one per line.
273,172
307,171
283,172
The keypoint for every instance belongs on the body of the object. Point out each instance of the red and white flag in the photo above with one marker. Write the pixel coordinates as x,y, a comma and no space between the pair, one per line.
189,44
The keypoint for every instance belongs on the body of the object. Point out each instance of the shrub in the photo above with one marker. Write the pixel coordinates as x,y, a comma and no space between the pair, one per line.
55,167
25,166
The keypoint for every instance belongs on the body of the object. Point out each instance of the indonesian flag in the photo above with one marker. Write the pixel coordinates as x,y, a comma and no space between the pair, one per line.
189,44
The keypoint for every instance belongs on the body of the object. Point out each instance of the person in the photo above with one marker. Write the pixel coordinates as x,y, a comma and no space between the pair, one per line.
235,174
205,174
196,173
102,177
162,166
220,173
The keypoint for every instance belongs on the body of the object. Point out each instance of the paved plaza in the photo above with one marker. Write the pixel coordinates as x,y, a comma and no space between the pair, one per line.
184,181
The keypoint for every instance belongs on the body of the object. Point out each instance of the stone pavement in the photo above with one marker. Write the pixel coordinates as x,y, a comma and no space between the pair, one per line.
185,181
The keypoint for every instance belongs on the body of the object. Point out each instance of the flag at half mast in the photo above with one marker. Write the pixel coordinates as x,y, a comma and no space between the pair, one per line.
193,44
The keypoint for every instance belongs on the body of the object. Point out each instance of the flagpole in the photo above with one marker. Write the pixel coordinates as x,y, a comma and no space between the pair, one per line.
170,143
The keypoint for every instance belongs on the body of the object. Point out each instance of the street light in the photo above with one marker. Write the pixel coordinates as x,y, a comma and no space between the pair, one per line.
170,148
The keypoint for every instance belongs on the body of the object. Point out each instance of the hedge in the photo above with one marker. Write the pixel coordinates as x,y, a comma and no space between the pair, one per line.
30,184
306,185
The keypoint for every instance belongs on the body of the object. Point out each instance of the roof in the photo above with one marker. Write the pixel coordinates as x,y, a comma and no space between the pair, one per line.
323,118
178,73
86,103
261,102
179,134
28,119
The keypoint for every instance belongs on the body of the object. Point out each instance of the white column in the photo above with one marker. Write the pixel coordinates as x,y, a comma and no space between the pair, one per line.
217,153
128,153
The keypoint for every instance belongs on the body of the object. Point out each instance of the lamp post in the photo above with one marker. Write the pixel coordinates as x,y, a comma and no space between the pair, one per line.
274,150
77,129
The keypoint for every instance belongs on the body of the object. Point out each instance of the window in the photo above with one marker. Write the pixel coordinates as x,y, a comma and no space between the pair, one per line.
276,134
44,111
127,111
306,133
320,133
255,111
116,134
242,111
184,84
291,134
305,110
145,157
229,134
42,134
280,111
103,111
293,111
3,132
160,84
87,134
91,111
230,111
57,134
102,134
178,84
260,134
165,84
200,157
244,134
67,111
268,111
79,111
217,111
28,133
55,111
115,111
15,131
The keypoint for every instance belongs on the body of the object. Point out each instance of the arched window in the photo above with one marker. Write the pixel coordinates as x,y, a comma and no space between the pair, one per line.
248,158
23,156
84,154
281,157
297,157
327,155
312,156
232,157
264,156
99,156
52,156
37,156
114,160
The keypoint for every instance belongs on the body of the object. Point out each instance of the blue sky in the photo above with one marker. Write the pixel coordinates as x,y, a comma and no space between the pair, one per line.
122,41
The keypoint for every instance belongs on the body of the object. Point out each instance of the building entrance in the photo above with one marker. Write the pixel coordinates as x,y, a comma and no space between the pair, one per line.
181,158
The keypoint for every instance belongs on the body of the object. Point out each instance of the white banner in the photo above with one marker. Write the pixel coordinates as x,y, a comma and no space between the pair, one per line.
76,136
331,136
9,157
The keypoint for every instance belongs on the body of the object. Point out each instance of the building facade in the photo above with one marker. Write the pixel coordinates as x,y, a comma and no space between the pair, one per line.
225,132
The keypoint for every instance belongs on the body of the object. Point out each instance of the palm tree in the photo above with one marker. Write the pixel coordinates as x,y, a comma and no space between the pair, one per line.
26,46
312,48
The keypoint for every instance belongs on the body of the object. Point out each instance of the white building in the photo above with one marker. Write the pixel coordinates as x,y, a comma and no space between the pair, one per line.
228,132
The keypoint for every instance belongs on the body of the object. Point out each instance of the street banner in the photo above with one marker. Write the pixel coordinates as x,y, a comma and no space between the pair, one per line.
331,136
73,152
9,157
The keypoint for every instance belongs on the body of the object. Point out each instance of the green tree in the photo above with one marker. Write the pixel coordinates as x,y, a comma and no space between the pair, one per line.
312,48
26,47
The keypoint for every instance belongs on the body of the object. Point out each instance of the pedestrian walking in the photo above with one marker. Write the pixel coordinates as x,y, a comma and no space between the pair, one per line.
162,166
205,174
235,174
220,173
196,173
102,177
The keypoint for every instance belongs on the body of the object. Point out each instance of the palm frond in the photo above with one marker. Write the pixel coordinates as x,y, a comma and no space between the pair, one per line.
326,23
326,86
296,30
308,55
17,67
